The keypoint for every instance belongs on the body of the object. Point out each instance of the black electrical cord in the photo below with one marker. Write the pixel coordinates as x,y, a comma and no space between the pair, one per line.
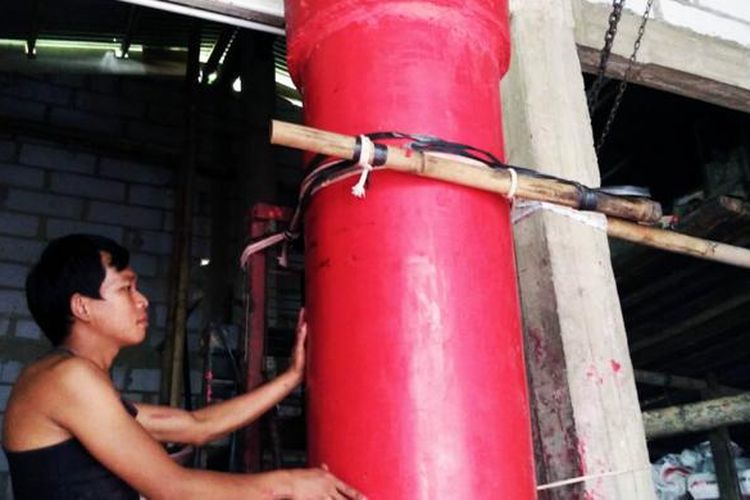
323,169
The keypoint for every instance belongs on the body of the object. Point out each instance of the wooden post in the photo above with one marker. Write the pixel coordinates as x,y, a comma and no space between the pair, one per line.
174,354
583,395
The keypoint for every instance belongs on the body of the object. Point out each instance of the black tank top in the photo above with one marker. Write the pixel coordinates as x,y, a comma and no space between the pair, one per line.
65,471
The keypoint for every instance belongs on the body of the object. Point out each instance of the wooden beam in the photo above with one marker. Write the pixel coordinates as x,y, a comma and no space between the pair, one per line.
259,15
671,58
677,382
696,417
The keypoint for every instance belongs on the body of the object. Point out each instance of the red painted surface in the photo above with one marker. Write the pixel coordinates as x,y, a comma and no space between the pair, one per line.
259,218
416,381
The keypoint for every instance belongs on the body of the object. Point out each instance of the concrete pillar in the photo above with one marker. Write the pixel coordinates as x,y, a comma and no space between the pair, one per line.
586,412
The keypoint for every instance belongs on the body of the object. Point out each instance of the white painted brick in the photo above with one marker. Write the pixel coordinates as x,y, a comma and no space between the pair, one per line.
155,290
7,150
151,242
13,275
166,115
9,371
63,227
4,326
135,397
201,248
196,320
119,377
18,224
151,196
105,84
4,395
160,91
15,175
28,329
159,314
98,103
86,186
202,226
129,216
150,132
156,337
65,117
12,107
4,468
135,172
74,80
196,381
57,159
42,203
144,265
20,250
144,379
13,302
26,88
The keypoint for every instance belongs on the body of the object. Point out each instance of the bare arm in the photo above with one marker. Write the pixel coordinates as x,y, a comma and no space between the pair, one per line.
175,425
88,407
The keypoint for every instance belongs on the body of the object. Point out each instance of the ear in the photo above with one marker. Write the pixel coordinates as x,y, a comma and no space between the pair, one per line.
79,307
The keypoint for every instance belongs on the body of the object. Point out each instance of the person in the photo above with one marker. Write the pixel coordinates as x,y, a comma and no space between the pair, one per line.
67,433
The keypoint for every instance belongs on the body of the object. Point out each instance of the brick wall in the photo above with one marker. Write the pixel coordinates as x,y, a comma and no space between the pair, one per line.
57,176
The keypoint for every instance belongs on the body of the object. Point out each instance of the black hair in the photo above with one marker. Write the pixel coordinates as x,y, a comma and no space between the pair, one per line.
68,265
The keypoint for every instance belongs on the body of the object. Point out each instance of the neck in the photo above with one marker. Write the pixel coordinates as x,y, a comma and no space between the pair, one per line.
92,348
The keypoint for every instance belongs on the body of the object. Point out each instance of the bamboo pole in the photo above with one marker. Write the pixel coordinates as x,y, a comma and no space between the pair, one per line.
467,174
678,243
531,188
695,417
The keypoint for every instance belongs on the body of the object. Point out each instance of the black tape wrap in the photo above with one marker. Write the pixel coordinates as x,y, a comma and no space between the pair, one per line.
588,198
357,149
380,156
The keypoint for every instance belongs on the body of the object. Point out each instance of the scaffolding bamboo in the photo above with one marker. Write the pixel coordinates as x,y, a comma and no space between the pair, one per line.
501,181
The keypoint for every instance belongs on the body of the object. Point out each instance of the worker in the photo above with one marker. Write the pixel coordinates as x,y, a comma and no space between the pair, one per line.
68,434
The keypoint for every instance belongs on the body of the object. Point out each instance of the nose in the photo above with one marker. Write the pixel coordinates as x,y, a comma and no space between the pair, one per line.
141,300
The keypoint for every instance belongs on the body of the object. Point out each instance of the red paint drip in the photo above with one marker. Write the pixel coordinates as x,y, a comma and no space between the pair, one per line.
615,366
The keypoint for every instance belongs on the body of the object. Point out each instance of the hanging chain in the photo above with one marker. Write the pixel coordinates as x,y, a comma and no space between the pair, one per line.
624,83
609,39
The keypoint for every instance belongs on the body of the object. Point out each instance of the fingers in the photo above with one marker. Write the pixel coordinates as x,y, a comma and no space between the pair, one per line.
301,320
343,490
348,492
301,327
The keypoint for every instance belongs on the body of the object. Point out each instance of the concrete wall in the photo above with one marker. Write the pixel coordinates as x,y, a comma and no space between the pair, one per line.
725,19
52,184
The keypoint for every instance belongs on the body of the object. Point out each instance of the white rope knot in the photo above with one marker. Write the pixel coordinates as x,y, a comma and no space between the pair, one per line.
366,152
513,184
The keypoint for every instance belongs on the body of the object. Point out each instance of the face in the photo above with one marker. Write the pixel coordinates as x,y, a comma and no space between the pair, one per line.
122,312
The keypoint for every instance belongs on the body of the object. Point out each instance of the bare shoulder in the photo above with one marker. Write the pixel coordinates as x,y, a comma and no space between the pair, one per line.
45,390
